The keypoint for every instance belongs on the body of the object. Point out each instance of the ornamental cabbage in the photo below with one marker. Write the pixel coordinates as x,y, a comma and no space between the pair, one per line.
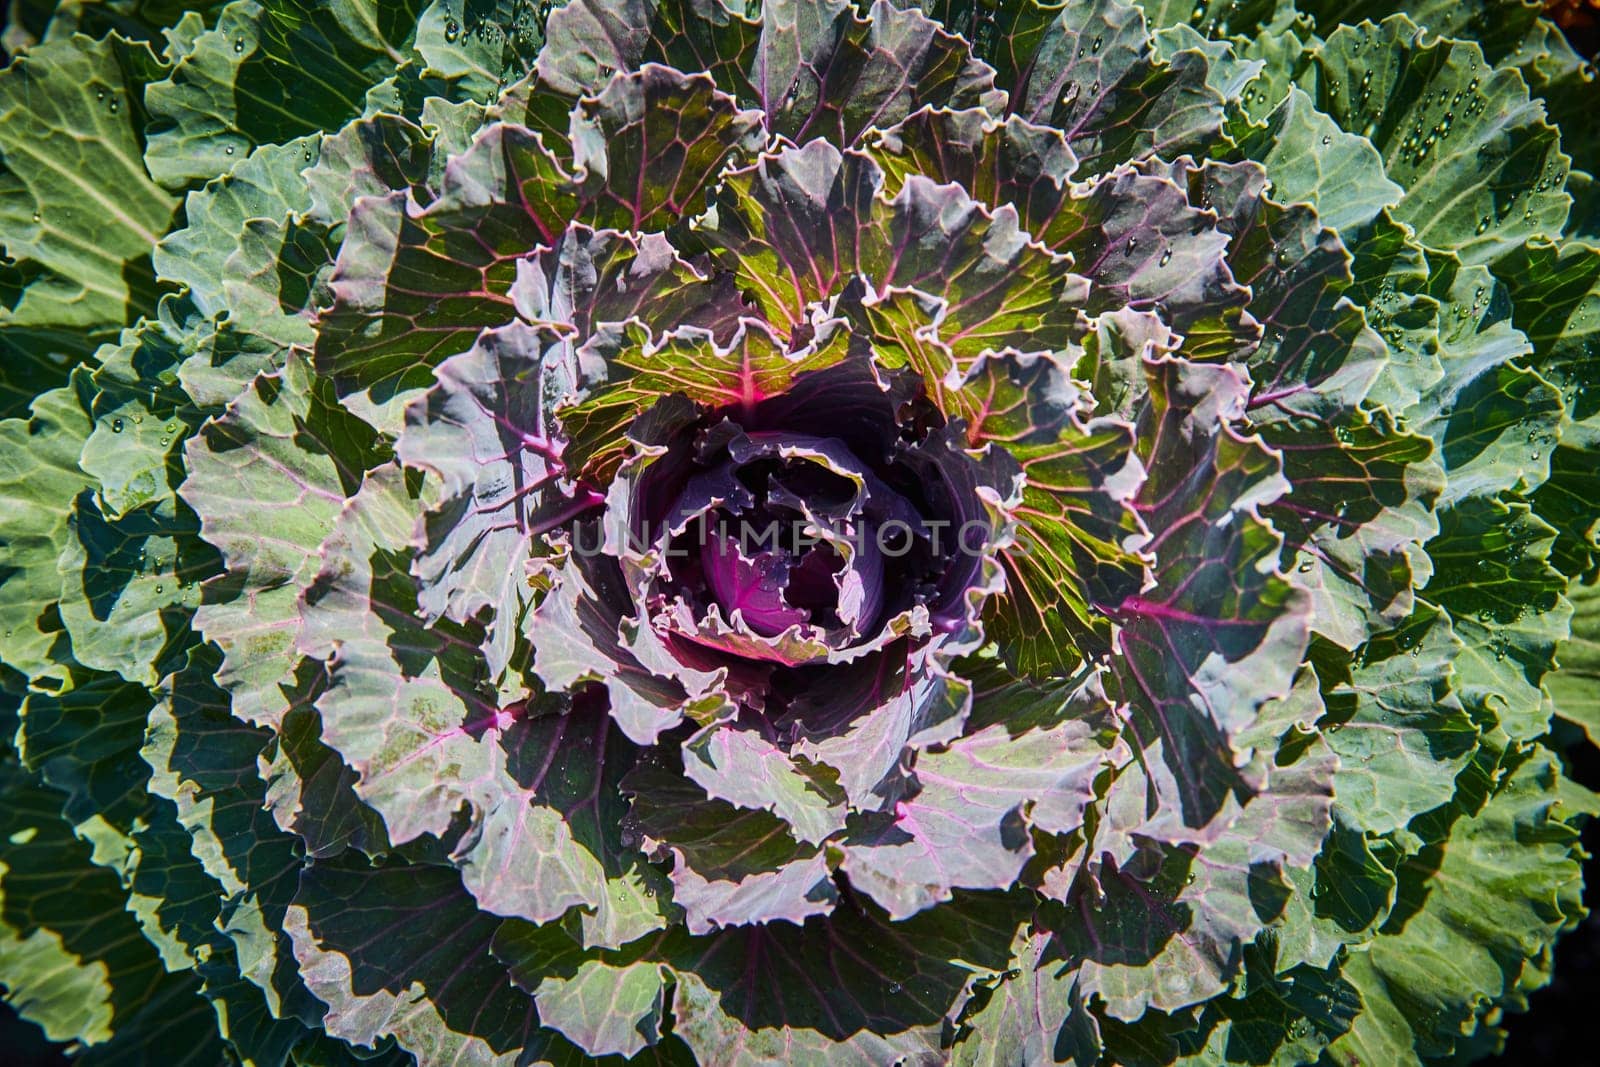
794,531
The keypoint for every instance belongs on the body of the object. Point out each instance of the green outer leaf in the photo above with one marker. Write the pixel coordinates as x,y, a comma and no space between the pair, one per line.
39,479
1507,607
268,73
1555,301
1575,686
1482,170
244,244
405,704
1489,910
1311,159
479,47
126,588
105,984
77,209
1492,421
1398,725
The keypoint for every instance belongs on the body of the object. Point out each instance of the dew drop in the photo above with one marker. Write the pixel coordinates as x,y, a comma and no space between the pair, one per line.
1327,139
238,46
228,151
1095,47
115,107
1166,257
116,425
36,216
1127,249
452,30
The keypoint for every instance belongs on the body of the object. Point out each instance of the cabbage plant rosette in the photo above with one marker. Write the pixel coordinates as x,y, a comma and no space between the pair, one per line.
820,533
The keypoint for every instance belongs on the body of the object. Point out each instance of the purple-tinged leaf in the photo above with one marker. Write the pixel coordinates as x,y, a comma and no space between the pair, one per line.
649,145
586,41
586,630
731,867
997,161
861,725
1218,631
966,825
788,227
1197,907
1090,70
754,365
550,837
486,434
995,288
1358,511
1035,1014
850,988
1076,523
595,280
409,708
748,771
608,1003
285,445
824,72
415,284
